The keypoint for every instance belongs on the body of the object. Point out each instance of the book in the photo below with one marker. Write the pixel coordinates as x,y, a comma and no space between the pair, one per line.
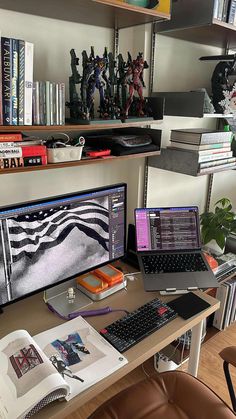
221,295
219,167
10,137
21,81
201,136
207,155
202,147
217,162
14,162
20,143
1,114
23,151
6,46
232,12
14,80
28,83
56,364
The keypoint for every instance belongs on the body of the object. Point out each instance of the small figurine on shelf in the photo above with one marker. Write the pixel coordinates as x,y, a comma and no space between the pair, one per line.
111,106
134,79
76,106
88,69
98,80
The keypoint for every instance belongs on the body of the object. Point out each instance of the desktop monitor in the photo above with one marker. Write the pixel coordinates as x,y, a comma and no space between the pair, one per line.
46,242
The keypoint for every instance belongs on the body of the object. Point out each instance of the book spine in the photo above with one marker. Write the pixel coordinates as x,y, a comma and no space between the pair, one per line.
225,10
1,111
57,103
215,9
21,81
8,152
35,160
28,83
8,144
48,113
35,103
219,167
221,295
51,102
215,156
42,103
217,139
220,9
232,12
6,80
10,137
34,150
14,162
218,162
14,81
61,103
11,163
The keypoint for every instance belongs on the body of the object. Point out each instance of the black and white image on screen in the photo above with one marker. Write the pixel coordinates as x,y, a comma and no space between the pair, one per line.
52,244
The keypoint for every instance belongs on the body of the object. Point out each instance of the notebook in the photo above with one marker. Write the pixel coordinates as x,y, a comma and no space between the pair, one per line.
169,250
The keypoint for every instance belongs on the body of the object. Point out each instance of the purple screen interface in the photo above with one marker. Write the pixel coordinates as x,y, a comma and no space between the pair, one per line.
167,228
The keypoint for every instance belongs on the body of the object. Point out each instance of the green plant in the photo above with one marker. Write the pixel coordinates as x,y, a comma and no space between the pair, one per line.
219,224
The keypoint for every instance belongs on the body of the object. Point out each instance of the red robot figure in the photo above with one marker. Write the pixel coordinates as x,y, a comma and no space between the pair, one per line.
134,78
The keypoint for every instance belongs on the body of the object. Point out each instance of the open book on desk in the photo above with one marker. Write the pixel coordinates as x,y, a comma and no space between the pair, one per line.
56,364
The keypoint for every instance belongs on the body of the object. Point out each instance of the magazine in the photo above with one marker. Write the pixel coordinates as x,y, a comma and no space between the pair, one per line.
56,364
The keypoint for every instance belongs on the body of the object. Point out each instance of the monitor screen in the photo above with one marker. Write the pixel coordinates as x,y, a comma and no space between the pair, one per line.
45,242
166,229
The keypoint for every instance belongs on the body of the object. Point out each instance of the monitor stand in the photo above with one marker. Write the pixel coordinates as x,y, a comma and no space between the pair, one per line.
57,298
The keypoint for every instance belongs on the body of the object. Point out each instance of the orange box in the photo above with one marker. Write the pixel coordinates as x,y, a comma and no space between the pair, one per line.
92,283
109,274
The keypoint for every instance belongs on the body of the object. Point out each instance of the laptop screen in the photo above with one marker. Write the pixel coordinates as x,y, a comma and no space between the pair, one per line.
167,229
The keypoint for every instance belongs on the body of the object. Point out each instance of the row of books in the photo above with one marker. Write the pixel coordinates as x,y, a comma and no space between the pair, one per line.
48,103
205,148
225,10
15,151
226,314
23,102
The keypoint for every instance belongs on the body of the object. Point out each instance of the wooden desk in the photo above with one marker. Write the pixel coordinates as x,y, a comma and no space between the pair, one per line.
32,314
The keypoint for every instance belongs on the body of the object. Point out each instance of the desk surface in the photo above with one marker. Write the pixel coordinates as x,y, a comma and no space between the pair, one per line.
32,314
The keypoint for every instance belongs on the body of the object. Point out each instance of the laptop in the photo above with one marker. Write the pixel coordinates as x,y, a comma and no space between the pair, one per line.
169,250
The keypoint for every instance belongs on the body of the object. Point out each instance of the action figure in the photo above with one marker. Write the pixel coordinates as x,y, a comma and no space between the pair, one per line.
134,79
62,368
77,110
88,69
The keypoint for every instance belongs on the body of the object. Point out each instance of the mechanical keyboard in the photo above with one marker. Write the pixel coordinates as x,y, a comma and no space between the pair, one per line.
135,326
176,262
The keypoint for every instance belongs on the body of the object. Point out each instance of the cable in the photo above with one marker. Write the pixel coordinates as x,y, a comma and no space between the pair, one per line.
145,372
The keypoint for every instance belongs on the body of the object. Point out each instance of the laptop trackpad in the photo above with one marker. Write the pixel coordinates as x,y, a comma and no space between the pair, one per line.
177,280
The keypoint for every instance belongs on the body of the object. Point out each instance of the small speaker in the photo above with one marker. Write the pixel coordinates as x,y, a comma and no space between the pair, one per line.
131,255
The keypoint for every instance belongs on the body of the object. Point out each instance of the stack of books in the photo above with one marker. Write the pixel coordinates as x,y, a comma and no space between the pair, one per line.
16,88
226,314
225,10
17,152
208,150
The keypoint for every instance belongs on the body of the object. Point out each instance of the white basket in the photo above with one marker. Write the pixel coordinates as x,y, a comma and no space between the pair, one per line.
58,155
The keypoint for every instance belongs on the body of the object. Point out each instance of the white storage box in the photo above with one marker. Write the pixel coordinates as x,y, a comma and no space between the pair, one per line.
63,154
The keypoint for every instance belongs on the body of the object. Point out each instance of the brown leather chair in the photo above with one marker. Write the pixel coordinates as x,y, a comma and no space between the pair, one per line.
170,395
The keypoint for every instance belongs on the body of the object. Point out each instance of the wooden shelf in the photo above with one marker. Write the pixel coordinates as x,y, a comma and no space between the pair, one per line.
105,13
82,162
194,22
68,127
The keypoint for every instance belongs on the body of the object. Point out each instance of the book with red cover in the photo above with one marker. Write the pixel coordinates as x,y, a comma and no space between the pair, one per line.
34,150
10,137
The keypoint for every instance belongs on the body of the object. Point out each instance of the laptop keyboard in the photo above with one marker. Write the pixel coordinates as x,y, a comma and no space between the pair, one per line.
163,263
